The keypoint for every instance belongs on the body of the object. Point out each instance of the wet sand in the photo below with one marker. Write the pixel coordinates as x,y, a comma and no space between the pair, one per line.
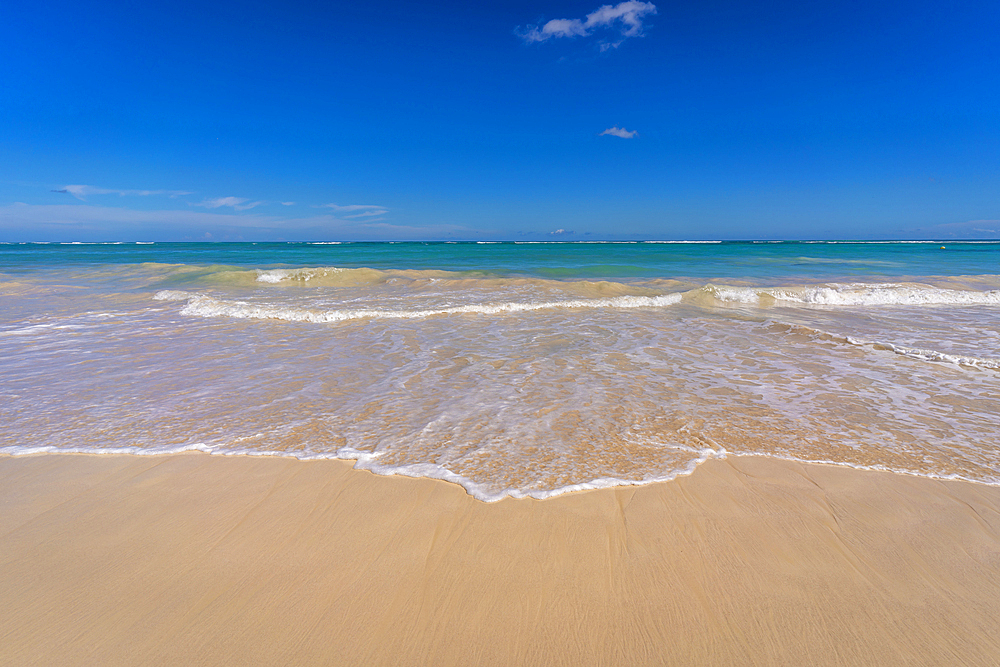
200,560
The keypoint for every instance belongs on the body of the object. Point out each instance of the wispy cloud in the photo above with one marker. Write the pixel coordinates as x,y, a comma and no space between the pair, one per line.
288,203
355,207
82,191
88,222
236,203
365,214
619,132
970,229
625,19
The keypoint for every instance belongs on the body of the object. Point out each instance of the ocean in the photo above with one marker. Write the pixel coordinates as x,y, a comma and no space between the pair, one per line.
513,369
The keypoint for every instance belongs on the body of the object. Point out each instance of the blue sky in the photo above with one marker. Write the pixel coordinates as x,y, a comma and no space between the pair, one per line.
391,120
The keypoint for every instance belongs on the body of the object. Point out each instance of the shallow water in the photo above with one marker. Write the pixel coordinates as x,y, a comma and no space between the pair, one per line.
512,369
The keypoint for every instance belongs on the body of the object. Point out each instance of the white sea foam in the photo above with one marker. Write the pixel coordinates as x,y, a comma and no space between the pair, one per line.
275,276
584,395
31,450
207,306
172,295
36,328
875,467
369,461
922,354
857,294
485,493
482,492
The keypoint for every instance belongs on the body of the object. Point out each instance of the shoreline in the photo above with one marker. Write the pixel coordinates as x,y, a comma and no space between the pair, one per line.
193,559
356,458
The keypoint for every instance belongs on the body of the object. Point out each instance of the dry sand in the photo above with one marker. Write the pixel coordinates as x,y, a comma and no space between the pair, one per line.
202,560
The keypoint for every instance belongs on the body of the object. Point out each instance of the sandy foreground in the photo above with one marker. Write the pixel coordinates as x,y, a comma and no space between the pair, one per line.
200,560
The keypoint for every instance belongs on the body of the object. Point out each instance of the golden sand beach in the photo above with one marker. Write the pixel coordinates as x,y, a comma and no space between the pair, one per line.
194,559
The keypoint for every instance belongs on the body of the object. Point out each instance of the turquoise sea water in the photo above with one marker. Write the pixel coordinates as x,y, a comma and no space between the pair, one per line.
596,260
510,368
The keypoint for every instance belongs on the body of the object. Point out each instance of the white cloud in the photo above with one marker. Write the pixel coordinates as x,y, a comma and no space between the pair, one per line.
355,207
629,13
237,203
82,191
69,215
557,28
362,211
288,203
625,17
365,214
72,222
619,132
970,229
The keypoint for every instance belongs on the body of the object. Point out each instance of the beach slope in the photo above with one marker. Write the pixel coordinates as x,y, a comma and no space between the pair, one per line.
199,560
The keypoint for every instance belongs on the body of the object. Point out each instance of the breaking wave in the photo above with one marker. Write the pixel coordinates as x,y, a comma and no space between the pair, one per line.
854,294
207,306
